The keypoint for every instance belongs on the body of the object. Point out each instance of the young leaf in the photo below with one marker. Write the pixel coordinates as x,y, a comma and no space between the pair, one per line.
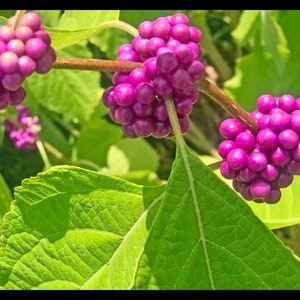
68,227
205,237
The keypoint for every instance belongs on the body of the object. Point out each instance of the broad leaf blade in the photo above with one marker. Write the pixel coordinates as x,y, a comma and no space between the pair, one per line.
205,237
68,226
78,26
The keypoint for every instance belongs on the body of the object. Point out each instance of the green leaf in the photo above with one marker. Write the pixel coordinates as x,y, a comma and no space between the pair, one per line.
5,198
77,26
95,139
78,19
246,27
274,40
69,227
205,237
73,93
131,155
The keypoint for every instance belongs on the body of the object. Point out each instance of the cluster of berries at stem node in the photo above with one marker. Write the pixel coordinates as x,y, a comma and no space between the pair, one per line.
261,163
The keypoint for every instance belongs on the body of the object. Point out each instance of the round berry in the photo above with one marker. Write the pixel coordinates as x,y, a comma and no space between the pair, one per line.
245,140
237,158
287,103
231,128
266,103
257,161
288,139
267,138
124,94
227,171
225,147
279,120
260,188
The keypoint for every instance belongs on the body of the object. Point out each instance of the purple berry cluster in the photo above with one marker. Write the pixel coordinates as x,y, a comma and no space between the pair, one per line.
169,49
23,50
24,130
263,163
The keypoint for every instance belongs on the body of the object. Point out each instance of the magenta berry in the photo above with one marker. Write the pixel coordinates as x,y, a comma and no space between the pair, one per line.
231,128
225,147
237,158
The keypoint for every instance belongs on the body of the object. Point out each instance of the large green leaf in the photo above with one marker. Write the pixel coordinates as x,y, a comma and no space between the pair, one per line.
69,226
205,237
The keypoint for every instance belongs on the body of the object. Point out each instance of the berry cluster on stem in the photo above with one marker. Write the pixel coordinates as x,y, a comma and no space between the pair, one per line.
168,48
261,163
25,48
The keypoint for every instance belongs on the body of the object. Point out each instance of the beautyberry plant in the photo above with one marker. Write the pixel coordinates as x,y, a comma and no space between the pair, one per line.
86,201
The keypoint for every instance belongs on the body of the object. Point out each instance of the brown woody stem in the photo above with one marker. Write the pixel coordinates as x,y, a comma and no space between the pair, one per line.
100,65
216,94
18,17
